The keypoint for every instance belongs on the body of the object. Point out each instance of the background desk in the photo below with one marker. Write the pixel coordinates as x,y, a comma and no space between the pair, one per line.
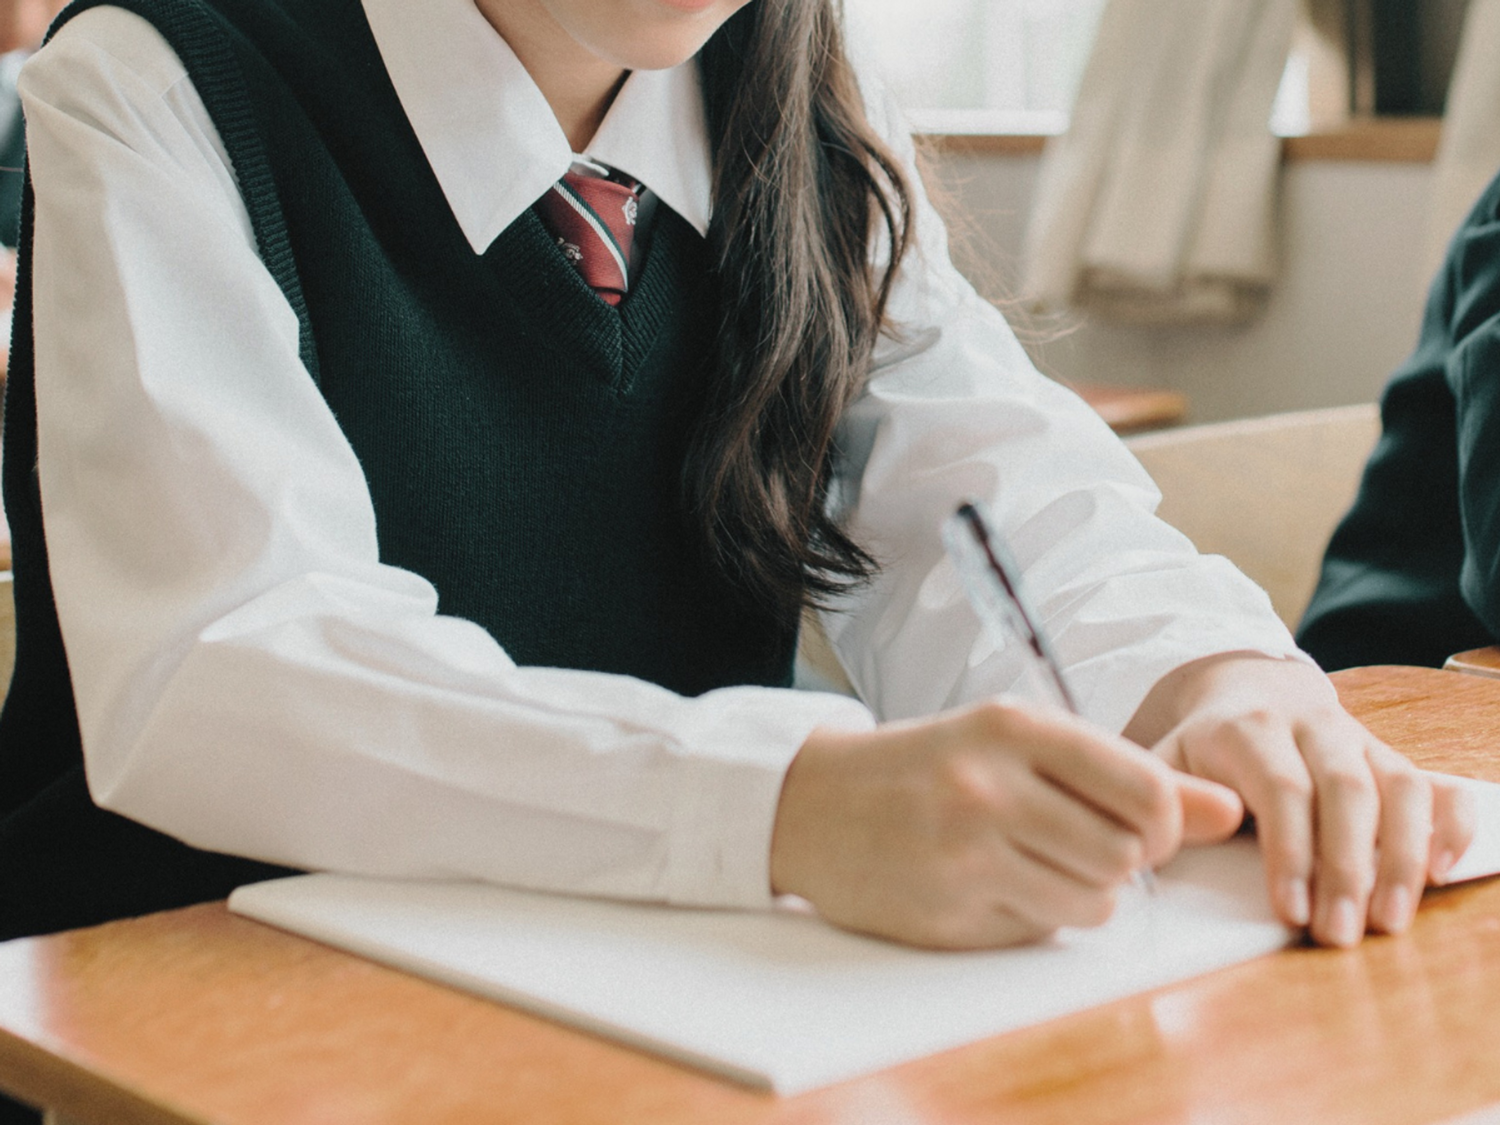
199,1016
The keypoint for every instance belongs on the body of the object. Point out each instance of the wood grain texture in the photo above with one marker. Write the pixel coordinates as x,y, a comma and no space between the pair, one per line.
198,1016
1437,719
1400,140
1132,410
985,144
1396,140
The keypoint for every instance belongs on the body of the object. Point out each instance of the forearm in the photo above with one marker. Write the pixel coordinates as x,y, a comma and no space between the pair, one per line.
413,748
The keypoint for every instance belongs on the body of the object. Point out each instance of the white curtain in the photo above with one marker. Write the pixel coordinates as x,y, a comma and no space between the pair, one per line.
1469,154
1158,204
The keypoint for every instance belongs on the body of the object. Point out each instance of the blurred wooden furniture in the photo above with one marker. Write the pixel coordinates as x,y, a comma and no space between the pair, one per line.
1401,140
4,527
1404,140
1132,410
198,1016
1264,492
7,631
1476,662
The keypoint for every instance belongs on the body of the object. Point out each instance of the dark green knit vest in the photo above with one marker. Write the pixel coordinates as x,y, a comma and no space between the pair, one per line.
523,442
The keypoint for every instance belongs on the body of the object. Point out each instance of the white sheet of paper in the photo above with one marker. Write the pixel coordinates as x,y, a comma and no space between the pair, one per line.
779,999
1483,856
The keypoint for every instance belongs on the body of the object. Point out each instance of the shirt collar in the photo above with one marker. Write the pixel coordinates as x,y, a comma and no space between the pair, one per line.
492,140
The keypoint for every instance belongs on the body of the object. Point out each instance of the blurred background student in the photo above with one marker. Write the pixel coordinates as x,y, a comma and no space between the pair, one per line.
22,25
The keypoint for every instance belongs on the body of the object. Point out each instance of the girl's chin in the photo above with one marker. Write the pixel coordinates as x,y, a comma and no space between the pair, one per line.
689,6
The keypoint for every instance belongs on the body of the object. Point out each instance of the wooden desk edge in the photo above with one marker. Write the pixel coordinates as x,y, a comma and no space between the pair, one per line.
1476,662
61,1087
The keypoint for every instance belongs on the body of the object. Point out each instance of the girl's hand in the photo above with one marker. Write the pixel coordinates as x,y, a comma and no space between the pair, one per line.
1350,830
983,827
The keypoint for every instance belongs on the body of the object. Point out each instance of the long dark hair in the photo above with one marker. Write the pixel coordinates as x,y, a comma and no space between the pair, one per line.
802,189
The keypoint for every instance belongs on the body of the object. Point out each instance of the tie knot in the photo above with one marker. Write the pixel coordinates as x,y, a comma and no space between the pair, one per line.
593,220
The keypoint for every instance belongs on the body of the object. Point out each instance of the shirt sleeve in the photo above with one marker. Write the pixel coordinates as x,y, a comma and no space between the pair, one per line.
1412,572
954,410
1473,299
249,678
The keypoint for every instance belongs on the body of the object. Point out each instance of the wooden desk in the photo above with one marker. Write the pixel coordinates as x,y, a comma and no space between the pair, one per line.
196,1016
1133,410
1476,662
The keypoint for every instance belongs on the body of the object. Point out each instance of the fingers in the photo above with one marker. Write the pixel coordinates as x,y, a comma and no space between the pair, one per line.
1404,842
955,832
1453,826
1422,823
999,824
1035,900
1349,816
1033,890
1124,783
1072,837
1350,831
1211,812
997,929
1047,897
1263,763
1008,896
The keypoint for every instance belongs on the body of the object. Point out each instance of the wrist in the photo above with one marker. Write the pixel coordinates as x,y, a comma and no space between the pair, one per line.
800,810
1242,681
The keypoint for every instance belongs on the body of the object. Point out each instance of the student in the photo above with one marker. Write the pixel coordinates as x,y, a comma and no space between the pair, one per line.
384,535
22,25
1412,575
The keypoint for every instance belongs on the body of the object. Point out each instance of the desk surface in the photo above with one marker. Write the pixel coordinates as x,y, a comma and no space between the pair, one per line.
1132,410
196,1016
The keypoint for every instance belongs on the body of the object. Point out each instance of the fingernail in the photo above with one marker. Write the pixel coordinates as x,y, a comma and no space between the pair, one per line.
1395,911
1295,907
1343,926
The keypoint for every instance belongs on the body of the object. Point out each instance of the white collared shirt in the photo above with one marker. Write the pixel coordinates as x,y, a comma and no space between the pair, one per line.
251,679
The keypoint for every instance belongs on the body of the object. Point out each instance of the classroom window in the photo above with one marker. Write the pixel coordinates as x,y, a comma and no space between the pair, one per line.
1013,65
1401,53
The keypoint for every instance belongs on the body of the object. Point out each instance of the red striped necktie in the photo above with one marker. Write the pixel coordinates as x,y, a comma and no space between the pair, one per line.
593,220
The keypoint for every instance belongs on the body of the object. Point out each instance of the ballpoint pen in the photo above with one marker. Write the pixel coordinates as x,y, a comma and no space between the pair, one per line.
991,581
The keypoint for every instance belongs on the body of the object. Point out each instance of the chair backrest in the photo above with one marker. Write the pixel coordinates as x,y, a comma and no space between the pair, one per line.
1264,492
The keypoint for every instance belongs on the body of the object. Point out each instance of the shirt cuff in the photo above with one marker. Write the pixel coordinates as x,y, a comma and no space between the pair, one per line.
1237,618
724,811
